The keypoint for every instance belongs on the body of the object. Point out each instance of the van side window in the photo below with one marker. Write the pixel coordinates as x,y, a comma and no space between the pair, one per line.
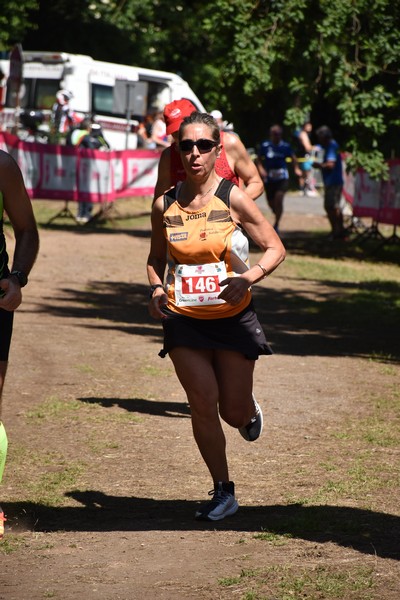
158,95
102,100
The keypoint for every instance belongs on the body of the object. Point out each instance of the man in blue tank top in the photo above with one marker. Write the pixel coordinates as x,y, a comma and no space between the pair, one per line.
332,175
272,163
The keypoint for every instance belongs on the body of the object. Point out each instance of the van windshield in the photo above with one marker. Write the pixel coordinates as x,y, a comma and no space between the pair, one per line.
45,93
34,94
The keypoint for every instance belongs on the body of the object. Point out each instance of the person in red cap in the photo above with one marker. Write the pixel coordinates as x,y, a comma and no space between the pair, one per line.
234,162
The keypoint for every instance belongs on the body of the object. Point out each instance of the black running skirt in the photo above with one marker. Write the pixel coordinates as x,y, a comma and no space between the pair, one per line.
6,325
241,333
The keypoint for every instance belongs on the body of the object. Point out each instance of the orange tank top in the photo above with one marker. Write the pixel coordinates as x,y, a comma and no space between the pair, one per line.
201,244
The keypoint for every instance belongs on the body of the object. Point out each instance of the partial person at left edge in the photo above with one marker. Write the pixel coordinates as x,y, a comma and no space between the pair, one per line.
14,200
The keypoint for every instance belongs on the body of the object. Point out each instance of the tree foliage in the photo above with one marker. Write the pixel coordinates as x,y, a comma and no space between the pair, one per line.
259,61
13,21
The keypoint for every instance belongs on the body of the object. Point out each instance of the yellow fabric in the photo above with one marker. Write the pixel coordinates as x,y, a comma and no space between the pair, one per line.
3,449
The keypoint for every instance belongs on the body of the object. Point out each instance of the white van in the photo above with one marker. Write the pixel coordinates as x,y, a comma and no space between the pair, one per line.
118,95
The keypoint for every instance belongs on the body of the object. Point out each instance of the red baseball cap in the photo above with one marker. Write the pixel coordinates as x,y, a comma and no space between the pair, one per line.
175,112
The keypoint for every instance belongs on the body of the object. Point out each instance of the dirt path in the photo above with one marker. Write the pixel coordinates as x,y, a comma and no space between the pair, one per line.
103,476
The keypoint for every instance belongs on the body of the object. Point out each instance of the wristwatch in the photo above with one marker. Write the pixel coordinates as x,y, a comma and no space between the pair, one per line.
153,288
21,276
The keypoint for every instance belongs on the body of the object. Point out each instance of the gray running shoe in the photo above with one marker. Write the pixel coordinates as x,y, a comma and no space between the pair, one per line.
223,503
252,431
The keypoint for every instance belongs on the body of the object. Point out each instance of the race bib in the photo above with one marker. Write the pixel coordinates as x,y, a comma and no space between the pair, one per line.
197,285
277,174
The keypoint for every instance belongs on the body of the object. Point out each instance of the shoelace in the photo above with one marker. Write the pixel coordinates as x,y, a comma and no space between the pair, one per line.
218,495
251,422
254,419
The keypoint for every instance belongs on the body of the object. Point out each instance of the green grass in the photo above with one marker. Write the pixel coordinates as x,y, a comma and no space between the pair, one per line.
299,583
355,301
54,407
126,213
155,371
323,582
363,462
72,409
10,543
345,269
244,574
85,369
273,538
353,305
49,488
50,476
44,477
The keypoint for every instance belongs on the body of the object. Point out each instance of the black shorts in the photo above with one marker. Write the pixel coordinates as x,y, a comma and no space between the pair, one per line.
271,187
332,196
6,326
241,333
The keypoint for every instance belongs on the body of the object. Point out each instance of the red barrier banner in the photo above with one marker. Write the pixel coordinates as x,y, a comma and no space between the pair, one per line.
348,181
379,200
389,212
366,196
57,172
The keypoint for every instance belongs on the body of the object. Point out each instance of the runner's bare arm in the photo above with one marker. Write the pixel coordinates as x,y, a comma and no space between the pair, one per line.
260,231
241,163
296,167
157,259
164,175
263,234
18,207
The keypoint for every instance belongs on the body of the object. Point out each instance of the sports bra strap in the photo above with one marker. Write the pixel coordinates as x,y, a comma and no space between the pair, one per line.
222,192
169,198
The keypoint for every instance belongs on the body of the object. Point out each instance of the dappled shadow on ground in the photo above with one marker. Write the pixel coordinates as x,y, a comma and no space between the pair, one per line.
360,243
355,247
325,318
107,219
120,306
296,242
139,405
90,230
332,318
366,531
103,222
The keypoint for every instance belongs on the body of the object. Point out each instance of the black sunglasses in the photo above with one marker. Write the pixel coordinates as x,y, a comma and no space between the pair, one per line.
203,145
